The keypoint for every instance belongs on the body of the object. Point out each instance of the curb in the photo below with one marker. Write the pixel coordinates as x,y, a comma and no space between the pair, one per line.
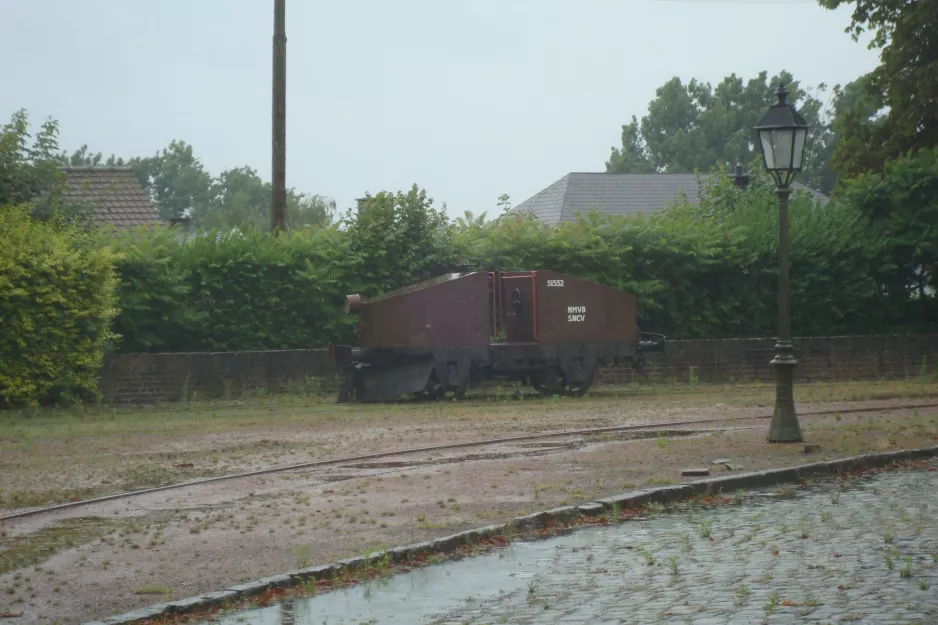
527,523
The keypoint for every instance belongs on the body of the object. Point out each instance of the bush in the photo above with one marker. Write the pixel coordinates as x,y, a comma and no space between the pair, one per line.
56,306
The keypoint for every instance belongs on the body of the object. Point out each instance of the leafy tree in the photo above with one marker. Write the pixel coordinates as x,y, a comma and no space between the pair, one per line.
177,180
308,210
240,198
27,171
398,239
901,206
896,110
696,126
83,157
632,157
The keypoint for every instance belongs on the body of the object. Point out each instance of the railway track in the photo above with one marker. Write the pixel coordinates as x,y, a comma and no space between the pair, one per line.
438,448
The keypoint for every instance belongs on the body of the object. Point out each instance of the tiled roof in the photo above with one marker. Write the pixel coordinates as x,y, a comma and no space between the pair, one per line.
617,194
113,196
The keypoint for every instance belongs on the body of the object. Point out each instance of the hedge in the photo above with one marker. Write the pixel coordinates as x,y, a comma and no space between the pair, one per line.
706,271
57,296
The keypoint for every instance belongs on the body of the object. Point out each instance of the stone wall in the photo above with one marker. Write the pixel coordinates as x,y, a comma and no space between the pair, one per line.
149,378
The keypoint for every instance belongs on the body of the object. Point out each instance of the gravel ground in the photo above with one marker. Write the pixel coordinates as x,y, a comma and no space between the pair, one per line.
74,566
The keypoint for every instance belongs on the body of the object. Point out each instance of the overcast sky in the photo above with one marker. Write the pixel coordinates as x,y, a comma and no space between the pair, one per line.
468,99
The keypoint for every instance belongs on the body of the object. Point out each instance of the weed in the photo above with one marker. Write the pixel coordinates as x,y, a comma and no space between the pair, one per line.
835,497
888,560
649,559
771,603
532,588
906,571
785,492
654,508
672,562
923,584
509,532
616,511
706,528
805,526
826,517
153,590
738,499
889,536
301,554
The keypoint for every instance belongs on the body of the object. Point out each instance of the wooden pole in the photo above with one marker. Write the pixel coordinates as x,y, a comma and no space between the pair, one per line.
278,195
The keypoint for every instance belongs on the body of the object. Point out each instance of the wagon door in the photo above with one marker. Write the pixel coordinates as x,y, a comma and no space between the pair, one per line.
519,307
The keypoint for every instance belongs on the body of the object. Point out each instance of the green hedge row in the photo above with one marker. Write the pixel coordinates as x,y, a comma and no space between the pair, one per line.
700,271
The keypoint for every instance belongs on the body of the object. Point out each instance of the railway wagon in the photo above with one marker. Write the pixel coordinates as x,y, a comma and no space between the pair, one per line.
441,337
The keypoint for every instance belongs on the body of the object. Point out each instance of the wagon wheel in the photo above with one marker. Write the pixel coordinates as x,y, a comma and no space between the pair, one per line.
435,391
460,391
549,382
553,382
578,389
348,385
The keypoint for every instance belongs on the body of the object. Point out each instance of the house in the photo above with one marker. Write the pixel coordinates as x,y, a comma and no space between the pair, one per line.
621,194
112,196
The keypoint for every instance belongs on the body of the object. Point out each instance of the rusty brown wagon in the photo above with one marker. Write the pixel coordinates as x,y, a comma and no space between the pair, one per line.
441,337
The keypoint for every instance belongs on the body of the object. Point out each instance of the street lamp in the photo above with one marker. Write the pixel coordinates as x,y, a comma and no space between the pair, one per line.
782,135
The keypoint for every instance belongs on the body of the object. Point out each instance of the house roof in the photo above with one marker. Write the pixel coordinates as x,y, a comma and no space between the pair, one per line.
113,196
617,194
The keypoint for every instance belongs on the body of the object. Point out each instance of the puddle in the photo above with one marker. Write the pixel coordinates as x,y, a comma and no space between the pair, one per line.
29,549
411,597
527,450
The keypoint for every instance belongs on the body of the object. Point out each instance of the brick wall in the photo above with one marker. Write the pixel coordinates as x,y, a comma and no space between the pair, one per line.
819,358
149,378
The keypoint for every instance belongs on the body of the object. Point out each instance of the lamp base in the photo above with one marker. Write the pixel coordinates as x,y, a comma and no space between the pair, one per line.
785,427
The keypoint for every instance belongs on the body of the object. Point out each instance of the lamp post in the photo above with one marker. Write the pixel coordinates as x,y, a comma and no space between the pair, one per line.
782,135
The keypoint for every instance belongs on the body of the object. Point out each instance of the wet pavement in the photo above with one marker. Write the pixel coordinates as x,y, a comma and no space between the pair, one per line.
864,553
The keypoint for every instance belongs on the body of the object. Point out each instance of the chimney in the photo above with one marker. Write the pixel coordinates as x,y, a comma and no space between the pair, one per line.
740,179
183,223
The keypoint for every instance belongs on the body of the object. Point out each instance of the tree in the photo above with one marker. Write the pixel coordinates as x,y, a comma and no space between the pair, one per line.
398,239
896,108
306,210
239,197
27,171
695,126
632,158
176,179
901,206
83,157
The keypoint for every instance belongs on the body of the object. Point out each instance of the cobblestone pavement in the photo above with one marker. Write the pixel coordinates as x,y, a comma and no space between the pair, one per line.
864,553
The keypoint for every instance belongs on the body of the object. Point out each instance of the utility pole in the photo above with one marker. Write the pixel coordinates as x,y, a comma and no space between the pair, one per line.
278,191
